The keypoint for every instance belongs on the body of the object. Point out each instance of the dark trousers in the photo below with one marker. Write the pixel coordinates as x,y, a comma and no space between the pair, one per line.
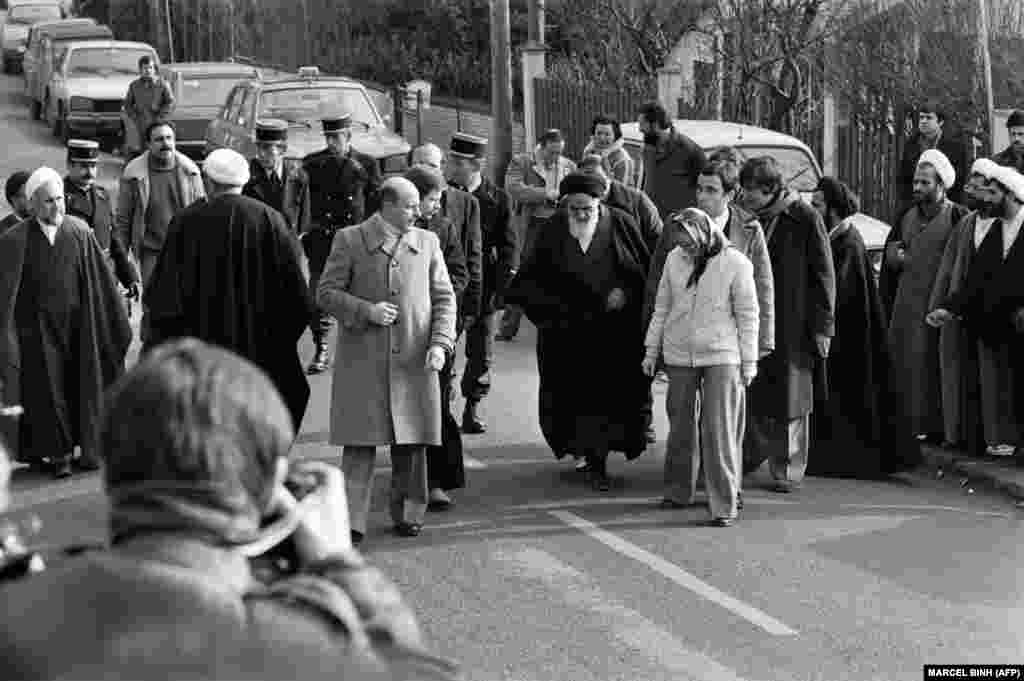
317,246
476,378
445,469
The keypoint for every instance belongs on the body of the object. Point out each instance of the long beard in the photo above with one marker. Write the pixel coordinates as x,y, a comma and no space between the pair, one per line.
580,228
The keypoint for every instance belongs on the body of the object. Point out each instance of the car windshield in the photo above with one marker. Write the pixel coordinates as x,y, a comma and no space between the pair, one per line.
33,14
206,90
94,61
307,106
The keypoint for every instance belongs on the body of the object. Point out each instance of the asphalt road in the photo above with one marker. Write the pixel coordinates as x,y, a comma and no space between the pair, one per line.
533,577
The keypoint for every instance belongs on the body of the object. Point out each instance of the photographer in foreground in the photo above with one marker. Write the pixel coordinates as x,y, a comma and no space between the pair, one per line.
194,441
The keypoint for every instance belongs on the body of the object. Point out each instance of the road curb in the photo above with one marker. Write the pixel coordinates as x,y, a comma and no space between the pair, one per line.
1001,475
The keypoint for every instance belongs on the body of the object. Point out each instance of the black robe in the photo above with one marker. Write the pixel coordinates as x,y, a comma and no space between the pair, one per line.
230,274
592,388
64,334
855,432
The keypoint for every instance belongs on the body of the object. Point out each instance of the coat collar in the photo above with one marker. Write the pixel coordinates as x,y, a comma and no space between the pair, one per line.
219,565
378,236
138,169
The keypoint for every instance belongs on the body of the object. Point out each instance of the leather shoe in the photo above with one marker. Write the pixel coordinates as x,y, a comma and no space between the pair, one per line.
408,529
439,500
601,483
357,537
471,422
62,469
722,522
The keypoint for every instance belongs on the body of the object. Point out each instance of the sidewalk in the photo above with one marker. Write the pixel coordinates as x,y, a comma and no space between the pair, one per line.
1001,473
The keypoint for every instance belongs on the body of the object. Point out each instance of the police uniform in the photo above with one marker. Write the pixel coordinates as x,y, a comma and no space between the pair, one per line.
499,250
285,189
93,205
342,192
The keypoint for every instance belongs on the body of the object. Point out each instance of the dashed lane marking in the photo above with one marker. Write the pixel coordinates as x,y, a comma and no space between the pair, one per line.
676,574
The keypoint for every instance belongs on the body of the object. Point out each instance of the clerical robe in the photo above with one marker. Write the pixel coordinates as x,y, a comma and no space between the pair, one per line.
230,273
64,334
913,345
592,387
855,430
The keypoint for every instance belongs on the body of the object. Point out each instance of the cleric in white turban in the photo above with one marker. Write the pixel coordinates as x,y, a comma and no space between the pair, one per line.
230,273
226,167
63,334
924,369
940,162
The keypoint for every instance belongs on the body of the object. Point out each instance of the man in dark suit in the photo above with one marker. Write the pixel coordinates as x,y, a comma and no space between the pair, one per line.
14,191
342,191
282,186
466,158
87,200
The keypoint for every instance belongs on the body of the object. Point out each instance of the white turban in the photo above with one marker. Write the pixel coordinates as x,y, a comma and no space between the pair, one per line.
227,167
1011,180
42,177
943,168
984,167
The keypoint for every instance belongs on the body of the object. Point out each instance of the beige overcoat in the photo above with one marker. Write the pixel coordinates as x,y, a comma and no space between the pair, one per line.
383,393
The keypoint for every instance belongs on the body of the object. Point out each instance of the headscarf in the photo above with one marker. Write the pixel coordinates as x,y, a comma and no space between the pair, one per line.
708,238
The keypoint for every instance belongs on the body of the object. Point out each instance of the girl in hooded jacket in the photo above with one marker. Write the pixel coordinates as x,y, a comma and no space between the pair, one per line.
704,332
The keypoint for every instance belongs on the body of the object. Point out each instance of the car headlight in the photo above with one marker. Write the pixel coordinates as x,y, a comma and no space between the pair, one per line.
80,104
395,164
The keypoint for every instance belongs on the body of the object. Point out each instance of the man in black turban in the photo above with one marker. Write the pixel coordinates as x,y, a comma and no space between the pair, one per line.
583,288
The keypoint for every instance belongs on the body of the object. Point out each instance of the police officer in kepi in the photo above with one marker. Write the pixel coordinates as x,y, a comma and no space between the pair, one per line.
343,188
282,186
87,200
466,158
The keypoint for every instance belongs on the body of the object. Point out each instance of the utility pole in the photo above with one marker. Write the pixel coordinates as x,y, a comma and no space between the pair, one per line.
535,18
985,64
533,67
501,89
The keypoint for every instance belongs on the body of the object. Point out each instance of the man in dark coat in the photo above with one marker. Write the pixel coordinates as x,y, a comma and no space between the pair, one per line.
1013,155
88,201
583,287
933,133
782,395
672,161
64,331
14,192
445,465
213,570
854,429
466,159
282,186
343,188
230,274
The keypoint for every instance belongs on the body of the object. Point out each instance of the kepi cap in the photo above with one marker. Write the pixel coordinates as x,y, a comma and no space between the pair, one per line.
271,130
83,151
336,123
468,146
1016,119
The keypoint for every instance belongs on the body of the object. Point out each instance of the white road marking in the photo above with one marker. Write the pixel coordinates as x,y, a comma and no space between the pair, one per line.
676,574
926,507
639,633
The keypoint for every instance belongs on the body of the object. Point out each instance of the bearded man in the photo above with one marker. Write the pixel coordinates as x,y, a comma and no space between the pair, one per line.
910,267
583,287
63,327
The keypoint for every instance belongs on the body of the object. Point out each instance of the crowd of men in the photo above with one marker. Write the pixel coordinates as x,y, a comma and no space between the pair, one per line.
839,375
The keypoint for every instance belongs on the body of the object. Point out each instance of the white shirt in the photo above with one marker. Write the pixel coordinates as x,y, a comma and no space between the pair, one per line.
1011,228
474,184
49,231
722,220
981,228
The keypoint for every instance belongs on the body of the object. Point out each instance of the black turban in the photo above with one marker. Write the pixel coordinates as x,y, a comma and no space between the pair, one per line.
582,183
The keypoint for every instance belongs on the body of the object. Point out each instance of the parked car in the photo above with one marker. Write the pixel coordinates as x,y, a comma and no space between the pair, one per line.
20,17
86,92
799,167
302,101
200,89
35,35
45,51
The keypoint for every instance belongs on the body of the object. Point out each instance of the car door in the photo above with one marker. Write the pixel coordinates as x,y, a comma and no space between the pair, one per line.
245,124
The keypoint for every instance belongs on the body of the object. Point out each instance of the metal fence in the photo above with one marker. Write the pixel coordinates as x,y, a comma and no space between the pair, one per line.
572,110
